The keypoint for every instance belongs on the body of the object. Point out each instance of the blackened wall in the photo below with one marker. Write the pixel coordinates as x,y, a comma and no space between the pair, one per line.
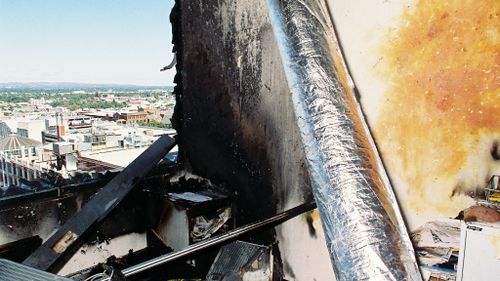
236,124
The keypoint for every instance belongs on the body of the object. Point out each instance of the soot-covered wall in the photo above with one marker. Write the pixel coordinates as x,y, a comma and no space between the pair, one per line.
236,124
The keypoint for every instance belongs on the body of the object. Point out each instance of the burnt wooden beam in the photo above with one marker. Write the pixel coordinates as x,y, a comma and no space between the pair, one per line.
18,250
54,253
52,193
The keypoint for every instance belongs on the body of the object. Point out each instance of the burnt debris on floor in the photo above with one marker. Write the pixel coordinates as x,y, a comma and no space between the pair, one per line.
169,210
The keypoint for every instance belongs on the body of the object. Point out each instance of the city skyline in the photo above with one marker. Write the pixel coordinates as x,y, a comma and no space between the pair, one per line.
94,42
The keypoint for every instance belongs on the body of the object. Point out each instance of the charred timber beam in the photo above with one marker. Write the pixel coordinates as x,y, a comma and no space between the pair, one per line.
225,237
18,250
58,192
54,253
364,229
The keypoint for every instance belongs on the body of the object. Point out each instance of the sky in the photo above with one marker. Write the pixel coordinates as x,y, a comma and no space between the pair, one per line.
86,41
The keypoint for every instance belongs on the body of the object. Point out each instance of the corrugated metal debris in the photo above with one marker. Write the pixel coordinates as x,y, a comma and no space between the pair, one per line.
242,261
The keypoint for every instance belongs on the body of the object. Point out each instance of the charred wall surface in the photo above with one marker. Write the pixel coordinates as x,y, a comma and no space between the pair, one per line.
235,121
236,124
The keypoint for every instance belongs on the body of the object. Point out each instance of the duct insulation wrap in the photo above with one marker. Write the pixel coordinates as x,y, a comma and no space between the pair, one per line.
364,228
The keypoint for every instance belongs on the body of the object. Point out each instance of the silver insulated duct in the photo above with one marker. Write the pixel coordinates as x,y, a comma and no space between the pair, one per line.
364,229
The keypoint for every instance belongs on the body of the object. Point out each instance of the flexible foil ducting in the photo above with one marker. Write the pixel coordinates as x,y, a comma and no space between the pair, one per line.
364,229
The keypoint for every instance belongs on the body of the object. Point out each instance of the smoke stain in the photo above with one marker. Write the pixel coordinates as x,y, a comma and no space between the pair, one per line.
495,151
442,68
311,217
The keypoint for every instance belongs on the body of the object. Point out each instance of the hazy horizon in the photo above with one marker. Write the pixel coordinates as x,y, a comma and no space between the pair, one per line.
84,83
32,83
87,42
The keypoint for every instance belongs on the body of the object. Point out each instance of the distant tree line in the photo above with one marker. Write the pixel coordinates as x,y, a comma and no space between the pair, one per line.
14,98
74,101
77,101
155,124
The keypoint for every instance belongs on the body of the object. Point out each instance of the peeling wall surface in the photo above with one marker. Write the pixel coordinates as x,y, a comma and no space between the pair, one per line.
428,76
236,124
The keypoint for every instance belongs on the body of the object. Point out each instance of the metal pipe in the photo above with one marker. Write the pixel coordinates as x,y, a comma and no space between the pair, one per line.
279,218
364,229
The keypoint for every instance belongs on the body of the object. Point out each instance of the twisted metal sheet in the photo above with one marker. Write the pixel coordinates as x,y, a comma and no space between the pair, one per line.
364,228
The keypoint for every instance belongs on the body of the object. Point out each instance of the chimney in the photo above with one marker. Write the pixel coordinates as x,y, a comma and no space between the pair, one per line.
60,126
60,131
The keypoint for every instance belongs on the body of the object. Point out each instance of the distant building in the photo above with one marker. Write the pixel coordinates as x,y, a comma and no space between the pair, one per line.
131,117
13,145
31,129
24,161
102,115
16,155
5,130
59,127
80,143
78,123
36,102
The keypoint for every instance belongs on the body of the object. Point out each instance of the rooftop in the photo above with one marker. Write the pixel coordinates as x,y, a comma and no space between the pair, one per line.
12,142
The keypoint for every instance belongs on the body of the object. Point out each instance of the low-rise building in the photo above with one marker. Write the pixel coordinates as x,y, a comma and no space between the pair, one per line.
5,129
131,117
19,157
31,128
